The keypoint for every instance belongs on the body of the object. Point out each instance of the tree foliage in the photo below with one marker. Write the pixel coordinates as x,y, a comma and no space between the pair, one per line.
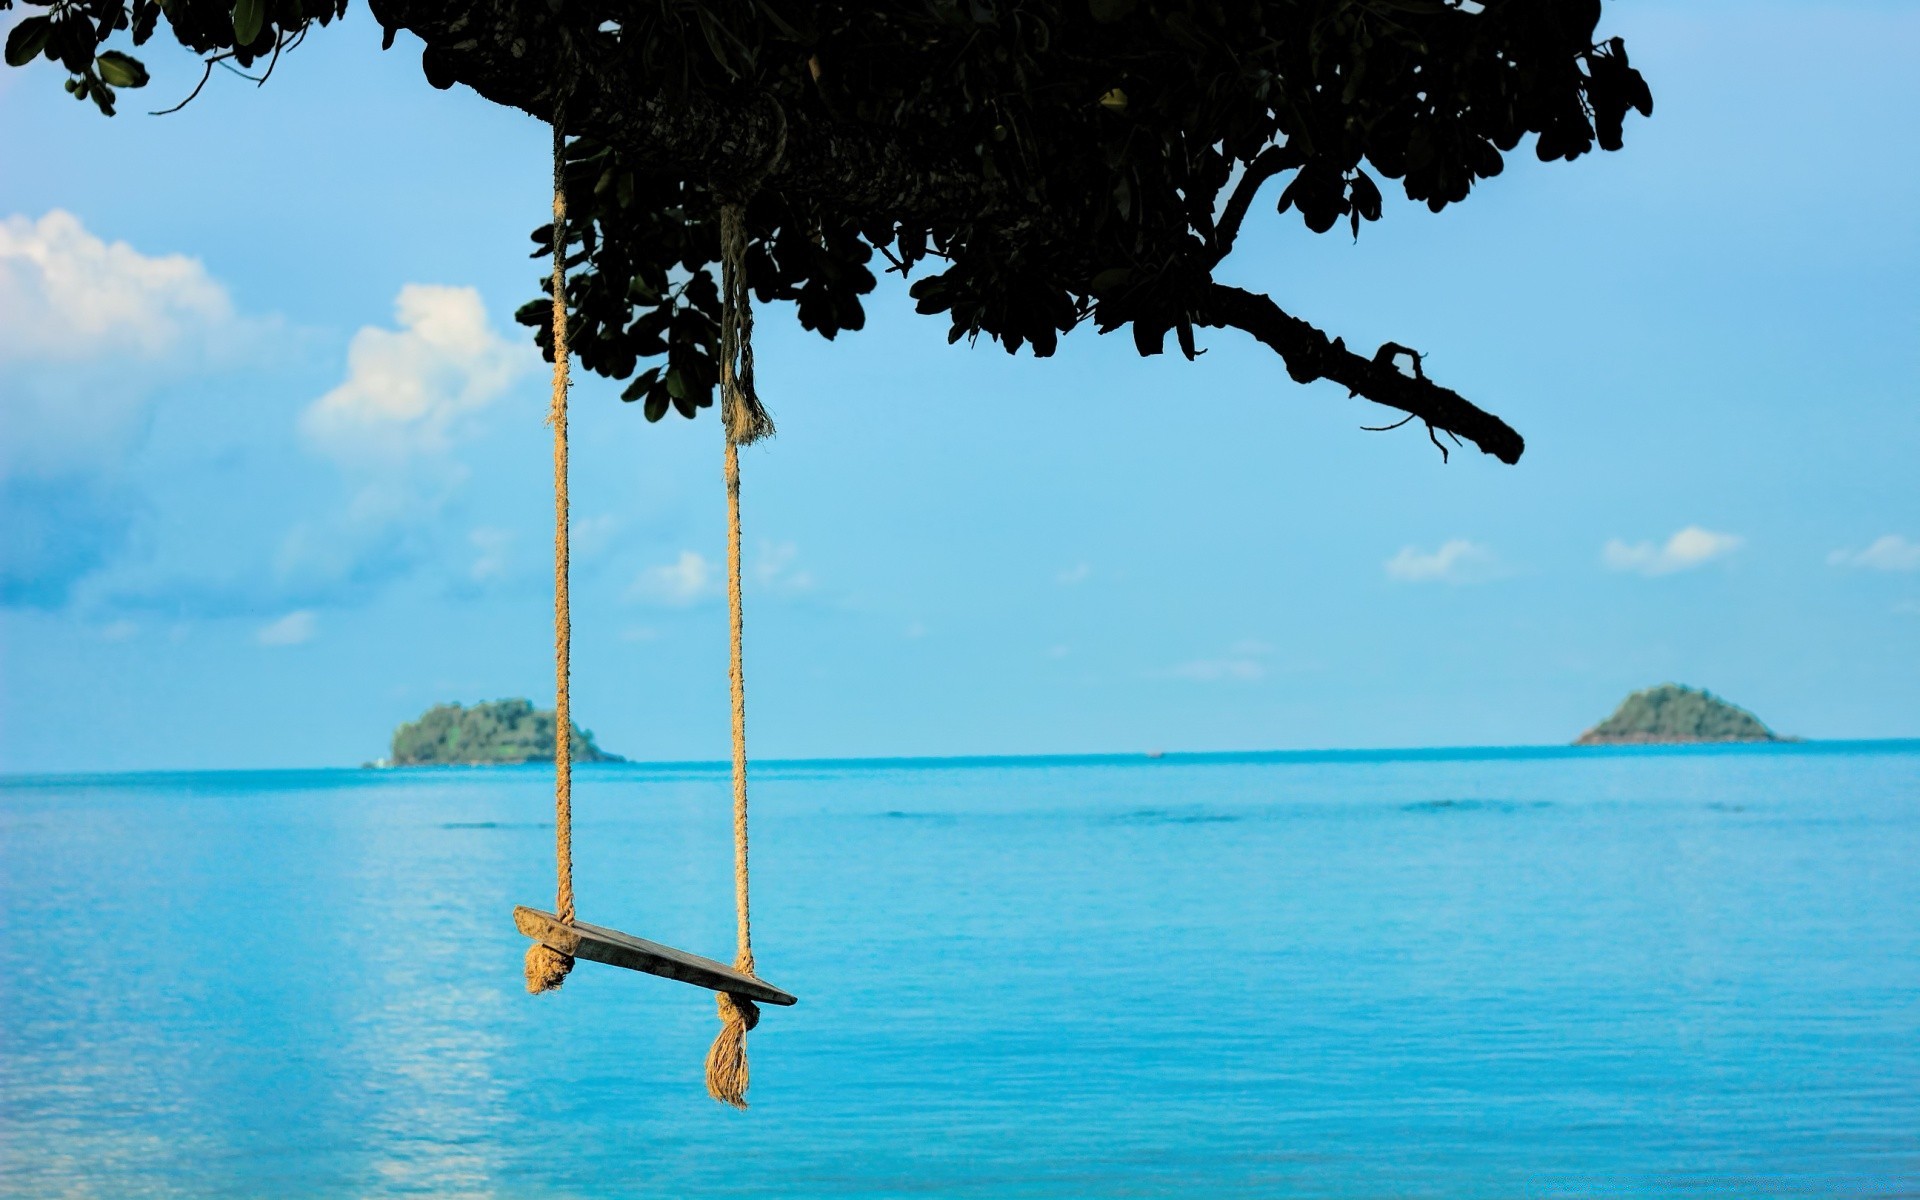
1673,713
493,732
1035,166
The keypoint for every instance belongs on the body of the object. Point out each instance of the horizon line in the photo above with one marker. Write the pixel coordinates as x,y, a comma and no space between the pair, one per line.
1089,758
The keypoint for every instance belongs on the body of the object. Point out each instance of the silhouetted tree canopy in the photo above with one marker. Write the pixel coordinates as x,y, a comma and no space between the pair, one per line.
1036,165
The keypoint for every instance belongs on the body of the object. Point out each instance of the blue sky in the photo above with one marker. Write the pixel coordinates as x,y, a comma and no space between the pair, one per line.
273,473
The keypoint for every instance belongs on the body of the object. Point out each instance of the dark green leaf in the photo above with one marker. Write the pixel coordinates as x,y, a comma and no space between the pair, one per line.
248,16
27,40
121,70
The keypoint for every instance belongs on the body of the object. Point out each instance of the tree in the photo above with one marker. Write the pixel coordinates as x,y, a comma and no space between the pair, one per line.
1046,164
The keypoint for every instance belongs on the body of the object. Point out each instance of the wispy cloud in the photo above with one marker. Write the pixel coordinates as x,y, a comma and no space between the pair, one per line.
1456,561
686,580
776,568
1244,662
593,536
1209,670
394,425
1690,547
291,630
1079,572
1889,553
491,548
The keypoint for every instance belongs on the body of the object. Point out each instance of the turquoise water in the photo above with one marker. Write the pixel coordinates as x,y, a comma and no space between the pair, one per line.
1460,974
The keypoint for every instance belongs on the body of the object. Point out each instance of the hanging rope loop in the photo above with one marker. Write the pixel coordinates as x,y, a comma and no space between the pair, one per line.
546,967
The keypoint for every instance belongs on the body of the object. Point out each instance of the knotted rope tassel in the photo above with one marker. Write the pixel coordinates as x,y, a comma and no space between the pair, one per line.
546,967
745,422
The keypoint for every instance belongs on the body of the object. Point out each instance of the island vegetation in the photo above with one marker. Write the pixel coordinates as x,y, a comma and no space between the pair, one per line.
1676,714
490,733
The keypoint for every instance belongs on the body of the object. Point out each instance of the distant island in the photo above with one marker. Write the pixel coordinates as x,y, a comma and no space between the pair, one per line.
1672,713
490,733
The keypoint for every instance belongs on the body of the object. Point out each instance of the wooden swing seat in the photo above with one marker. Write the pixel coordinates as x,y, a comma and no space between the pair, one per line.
610,946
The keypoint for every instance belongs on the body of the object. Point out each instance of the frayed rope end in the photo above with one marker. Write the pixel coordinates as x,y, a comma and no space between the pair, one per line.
747,422
727,1061
546,968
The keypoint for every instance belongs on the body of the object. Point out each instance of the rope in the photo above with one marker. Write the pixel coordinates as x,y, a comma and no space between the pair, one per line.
546,967
745,422
740,411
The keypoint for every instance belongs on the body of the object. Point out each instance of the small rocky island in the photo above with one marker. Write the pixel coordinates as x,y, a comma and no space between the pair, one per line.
490,733
1671,713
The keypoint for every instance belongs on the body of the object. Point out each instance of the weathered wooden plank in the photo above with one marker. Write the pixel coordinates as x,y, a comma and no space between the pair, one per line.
614,948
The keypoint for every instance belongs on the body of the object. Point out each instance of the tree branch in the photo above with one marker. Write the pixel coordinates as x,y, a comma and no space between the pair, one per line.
1265,165
517,54
1310,354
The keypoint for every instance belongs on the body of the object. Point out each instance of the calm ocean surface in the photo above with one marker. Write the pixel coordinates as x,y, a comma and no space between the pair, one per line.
1458,974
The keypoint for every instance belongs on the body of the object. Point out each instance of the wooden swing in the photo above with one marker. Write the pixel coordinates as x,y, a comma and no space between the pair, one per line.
558,936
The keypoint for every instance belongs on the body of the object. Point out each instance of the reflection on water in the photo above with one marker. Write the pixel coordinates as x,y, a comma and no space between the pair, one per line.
1621,973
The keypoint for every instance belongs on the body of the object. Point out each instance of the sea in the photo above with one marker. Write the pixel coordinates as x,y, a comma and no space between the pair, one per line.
1643,972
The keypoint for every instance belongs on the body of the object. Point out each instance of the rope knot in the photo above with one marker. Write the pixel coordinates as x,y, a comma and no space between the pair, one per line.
727,1060
546,968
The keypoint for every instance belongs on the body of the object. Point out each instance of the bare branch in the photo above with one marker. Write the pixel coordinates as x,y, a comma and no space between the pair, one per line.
204,76
1388,428
1310,354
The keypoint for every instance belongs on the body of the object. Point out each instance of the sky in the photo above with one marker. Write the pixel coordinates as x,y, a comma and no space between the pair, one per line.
274,475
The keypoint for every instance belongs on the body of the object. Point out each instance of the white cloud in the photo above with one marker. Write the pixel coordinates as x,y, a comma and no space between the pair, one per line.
85,326
686,580
290,630
66,294
914,629
118,631
1691,547
1456,561
412,391
639,633
1079,572
1059,651
1890,553
411,395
